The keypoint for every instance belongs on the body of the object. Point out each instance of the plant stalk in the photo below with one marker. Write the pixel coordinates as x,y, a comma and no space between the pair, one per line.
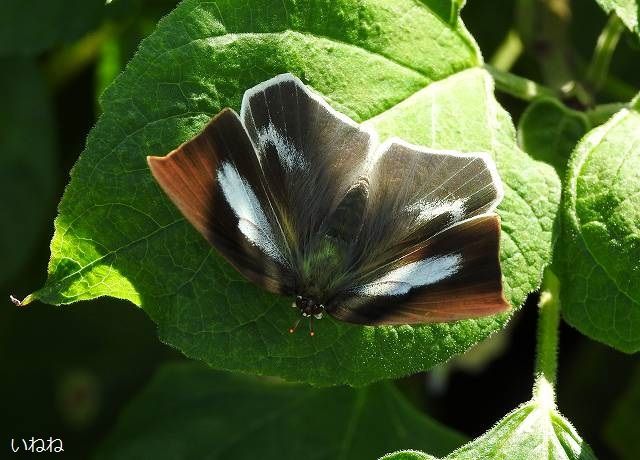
602,55
508,52
547,347
516,86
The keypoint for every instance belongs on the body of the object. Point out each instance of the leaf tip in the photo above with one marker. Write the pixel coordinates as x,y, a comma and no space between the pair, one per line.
21,303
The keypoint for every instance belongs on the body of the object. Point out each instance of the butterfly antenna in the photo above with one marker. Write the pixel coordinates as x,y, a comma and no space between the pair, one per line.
311,331
294,327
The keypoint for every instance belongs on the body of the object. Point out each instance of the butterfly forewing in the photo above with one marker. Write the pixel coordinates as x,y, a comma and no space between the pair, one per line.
453,275
311,154
216,181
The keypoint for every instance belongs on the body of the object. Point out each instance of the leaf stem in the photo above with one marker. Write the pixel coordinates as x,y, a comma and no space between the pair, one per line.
508,52
517,86
601,113
605,47
547,346
71,60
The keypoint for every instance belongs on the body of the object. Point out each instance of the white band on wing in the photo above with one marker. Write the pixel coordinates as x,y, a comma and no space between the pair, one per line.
421,273
252,220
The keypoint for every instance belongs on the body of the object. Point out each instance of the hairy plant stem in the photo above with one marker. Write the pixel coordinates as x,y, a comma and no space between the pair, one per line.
547,345
517,86
605,47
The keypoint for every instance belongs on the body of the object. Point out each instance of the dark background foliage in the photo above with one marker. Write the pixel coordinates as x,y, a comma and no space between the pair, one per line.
68,372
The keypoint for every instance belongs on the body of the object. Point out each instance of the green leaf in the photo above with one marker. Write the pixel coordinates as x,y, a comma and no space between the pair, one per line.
627,10
621,430
189,411
599,249
408,455
401,65
28,27
549,131
27,143
533,431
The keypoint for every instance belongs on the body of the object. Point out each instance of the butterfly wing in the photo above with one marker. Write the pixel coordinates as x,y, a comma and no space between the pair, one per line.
454,275
216,181
417,192
311,154
429,245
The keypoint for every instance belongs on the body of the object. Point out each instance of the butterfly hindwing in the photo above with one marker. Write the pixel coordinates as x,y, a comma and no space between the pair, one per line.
453,275
418,192
216,181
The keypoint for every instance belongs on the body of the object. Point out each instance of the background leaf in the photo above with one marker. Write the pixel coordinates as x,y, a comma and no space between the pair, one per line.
28,27
530,432
599,249
621,430
407,67
27,158
189,411
627,10
548,131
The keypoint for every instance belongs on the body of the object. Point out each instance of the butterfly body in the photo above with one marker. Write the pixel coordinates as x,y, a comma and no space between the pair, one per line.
303,201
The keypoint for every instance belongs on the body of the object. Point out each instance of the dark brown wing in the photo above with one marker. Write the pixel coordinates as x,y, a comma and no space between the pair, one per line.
216,181
453,275
311,154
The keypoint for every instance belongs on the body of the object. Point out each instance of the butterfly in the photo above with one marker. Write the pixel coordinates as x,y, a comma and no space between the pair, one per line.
305,202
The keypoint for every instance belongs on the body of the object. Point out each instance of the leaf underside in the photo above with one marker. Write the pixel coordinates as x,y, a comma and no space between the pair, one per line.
627,10
408,68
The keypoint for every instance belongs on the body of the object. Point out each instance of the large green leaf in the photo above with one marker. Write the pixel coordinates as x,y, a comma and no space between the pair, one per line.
599,249
27,159
627,10
621,430
533,431
408,67
192,412
28,27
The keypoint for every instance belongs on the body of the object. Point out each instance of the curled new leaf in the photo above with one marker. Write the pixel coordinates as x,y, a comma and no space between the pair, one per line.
533,431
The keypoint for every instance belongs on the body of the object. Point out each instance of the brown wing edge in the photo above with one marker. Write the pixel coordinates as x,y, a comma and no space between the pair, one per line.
175,172
188,176
475,291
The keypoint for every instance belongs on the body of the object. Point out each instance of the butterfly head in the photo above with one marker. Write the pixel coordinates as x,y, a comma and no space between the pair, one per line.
309,307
